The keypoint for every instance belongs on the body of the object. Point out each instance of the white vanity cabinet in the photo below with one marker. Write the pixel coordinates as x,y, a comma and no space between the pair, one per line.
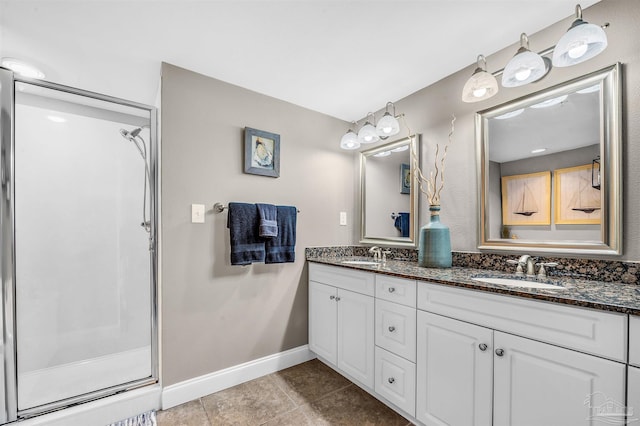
633,395
468,373
634,342
341,320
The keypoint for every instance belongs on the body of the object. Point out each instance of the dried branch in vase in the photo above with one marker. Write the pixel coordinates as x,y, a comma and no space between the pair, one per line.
433,185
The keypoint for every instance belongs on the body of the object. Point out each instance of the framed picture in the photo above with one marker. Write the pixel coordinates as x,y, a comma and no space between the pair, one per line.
526,199
405,179
576,201
261,152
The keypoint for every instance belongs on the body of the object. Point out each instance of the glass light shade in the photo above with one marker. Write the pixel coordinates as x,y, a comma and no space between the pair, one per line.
22,68
387,126
368,134
550,102
583,41
510,114
524,68
480,86
349,141
382,154
401,148
591,89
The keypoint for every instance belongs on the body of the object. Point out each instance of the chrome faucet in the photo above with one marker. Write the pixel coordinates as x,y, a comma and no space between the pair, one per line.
525,262
377,253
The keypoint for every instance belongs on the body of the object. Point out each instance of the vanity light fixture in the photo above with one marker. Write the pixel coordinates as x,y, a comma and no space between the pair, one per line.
591,89
581,42
510,114
22,68
538,151
349,140
382,154
481,85
388,125
368,133
401,148
525,67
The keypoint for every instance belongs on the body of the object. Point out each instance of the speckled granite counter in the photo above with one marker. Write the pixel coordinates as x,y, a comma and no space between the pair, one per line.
606,296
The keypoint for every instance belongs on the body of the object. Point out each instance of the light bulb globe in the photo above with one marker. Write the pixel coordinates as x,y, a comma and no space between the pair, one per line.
368,134
388,126
582,42
349,141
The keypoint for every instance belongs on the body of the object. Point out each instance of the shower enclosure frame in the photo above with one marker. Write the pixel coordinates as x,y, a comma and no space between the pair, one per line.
9,404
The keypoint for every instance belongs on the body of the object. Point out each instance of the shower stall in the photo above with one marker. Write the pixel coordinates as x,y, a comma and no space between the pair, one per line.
78,215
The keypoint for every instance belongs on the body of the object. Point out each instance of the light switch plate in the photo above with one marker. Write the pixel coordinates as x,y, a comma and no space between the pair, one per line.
343,218
197,213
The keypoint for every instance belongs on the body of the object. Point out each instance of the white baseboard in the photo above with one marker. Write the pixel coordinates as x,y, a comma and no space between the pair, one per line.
197,387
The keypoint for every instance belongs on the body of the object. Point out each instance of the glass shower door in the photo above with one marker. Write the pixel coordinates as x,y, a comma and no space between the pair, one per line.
83,263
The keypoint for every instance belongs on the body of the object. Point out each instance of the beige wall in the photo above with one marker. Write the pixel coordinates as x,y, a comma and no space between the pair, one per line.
428,112
215,315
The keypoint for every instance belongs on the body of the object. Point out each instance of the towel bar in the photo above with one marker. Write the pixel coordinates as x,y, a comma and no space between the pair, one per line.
219,208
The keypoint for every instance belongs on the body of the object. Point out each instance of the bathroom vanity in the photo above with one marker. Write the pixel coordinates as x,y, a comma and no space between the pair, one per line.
443,349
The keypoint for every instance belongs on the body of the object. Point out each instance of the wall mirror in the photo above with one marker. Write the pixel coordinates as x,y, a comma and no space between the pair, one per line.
550,171
388,196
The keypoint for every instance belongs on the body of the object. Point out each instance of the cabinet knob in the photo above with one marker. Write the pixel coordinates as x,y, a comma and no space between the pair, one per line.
483,346
337,299
392,289
332,297
391,380
499,352
392,328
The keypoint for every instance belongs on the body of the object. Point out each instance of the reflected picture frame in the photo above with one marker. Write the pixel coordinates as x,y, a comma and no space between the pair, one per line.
576,201
526,199
405,179
261,152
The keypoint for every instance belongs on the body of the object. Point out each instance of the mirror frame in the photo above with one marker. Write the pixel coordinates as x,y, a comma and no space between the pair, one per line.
414,209
609,79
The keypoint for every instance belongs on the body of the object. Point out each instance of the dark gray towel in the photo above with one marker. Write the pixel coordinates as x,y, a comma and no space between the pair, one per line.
282,249
246,246
268,223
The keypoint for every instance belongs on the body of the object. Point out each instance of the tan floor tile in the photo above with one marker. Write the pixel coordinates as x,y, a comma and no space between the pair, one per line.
190,414
310,381
352,406
251,403
296,417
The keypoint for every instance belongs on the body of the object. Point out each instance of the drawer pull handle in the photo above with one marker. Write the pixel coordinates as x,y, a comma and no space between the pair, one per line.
391,289
392,328
332,297
483,346
337,299
391,380
500,352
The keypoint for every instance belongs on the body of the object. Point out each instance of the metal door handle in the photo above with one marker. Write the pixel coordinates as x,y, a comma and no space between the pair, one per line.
337,299
391,380
500,352
391,289
483,346
392,329
332,297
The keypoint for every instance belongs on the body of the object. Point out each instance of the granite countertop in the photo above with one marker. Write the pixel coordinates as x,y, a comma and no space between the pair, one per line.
606,296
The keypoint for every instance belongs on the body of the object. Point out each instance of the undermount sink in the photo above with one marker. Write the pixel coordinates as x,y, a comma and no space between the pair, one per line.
512,282
360,262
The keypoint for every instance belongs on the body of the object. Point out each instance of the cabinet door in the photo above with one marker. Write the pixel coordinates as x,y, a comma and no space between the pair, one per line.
396,329
454,372
540,384
355,336
633,395
323,321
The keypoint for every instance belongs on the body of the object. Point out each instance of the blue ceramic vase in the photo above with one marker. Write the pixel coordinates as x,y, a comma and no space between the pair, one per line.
434,245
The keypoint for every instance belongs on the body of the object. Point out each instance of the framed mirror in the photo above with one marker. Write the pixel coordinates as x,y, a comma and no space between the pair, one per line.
550,170
388,195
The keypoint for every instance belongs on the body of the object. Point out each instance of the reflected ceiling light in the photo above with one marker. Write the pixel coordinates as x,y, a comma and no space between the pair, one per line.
400,148
382,154
350,140
56,118
550,102
581,42
481,85
538,151
368,133
22,68
525,67
510,114
388,124
591,89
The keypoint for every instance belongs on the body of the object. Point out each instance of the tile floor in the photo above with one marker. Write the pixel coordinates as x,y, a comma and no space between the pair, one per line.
306,394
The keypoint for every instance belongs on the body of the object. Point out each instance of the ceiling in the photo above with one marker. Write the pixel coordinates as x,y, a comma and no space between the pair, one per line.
339,57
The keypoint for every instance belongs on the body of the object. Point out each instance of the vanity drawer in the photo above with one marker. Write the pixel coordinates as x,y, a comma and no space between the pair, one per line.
396,380
398,290
348,279
396,329
586,330
634,341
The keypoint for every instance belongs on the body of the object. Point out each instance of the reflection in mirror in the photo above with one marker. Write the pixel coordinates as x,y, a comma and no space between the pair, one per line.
389,207
550,169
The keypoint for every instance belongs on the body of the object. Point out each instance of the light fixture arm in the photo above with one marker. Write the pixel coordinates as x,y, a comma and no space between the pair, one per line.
482,67
386,108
